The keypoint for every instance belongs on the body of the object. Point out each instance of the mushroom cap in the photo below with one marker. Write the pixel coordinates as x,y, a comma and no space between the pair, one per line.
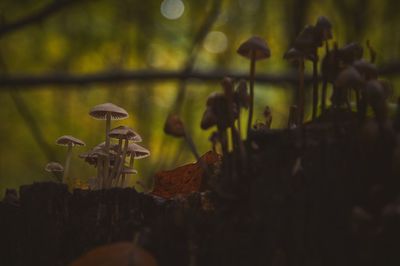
323,23
293,54
69,140
174,126
351,52
324,27
306,41
100,112
366,68
122,132
256,44
128,170
242,98
348,78
137,151
375,92
54,167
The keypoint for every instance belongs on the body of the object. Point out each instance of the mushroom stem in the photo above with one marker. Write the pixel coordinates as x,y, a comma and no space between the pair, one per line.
315,86
67,163
107,148
100,179
252,72
324,83
191,145
117,160
300,103
121,163
131,160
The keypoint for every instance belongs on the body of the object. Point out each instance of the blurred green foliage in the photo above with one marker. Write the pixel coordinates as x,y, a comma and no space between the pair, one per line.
91,36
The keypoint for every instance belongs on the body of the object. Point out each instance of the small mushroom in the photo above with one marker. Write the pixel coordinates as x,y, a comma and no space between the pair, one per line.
351,52
127,134
366,69
70,142
254,49
324,29
376,97
126,171
135,151
242,100
295,55
348,78
175,127
108,112
55,168
308,42
123,133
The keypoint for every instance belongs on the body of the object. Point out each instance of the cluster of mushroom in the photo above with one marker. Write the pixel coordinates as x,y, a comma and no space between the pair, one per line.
305,47
110,156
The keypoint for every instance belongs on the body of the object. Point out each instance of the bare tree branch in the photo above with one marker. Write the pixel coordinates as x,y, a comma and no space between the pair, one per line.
35,17
25,81
107,77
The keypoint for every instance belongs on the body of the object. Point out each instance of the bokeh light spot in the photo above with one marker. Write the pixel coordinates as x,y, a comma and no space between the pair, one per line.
172,9
216,42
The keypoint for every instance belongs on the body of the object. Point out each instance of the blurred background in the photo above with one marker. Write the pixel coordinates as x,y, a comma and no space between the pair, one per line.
60,58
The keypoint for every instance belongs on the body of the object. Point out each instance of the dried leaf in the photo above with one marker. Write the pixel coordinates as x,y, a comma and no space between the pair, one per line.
185,179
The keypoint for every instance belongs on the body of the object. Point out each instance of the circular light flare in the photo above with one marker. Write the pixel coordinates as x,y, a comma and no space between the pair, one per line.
172,9
216,42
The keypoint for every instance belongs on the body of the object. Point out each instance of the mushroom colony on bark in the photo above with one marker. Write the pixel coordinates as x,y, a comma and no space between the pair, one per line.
113,158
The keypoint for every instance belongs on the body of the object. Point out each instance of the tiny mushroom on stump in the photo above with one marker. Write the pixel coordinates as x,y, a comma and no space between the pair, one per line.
127,134
135,151
122,133
348,78
254,49
108,112
70,142
55,168
125,171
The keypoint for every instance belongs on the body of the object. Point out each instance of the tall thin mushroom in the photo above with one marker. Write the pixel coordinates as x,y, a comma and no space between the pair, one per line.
294,55
323,32
70,142
108,112
254,49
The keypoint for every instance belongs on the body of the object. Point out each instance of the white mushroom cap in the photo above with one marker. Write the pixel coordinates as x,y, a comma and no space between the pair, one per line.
67,140
100,112
138,151
122,132
54,167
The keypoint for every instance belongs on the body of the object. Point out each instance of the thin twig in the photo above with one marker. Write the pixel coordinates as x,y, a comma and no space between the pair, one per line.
36,17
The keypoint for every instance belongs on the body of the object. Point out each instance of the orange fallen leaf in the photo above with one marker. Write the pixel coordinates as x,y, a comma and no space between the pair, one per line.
185,179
